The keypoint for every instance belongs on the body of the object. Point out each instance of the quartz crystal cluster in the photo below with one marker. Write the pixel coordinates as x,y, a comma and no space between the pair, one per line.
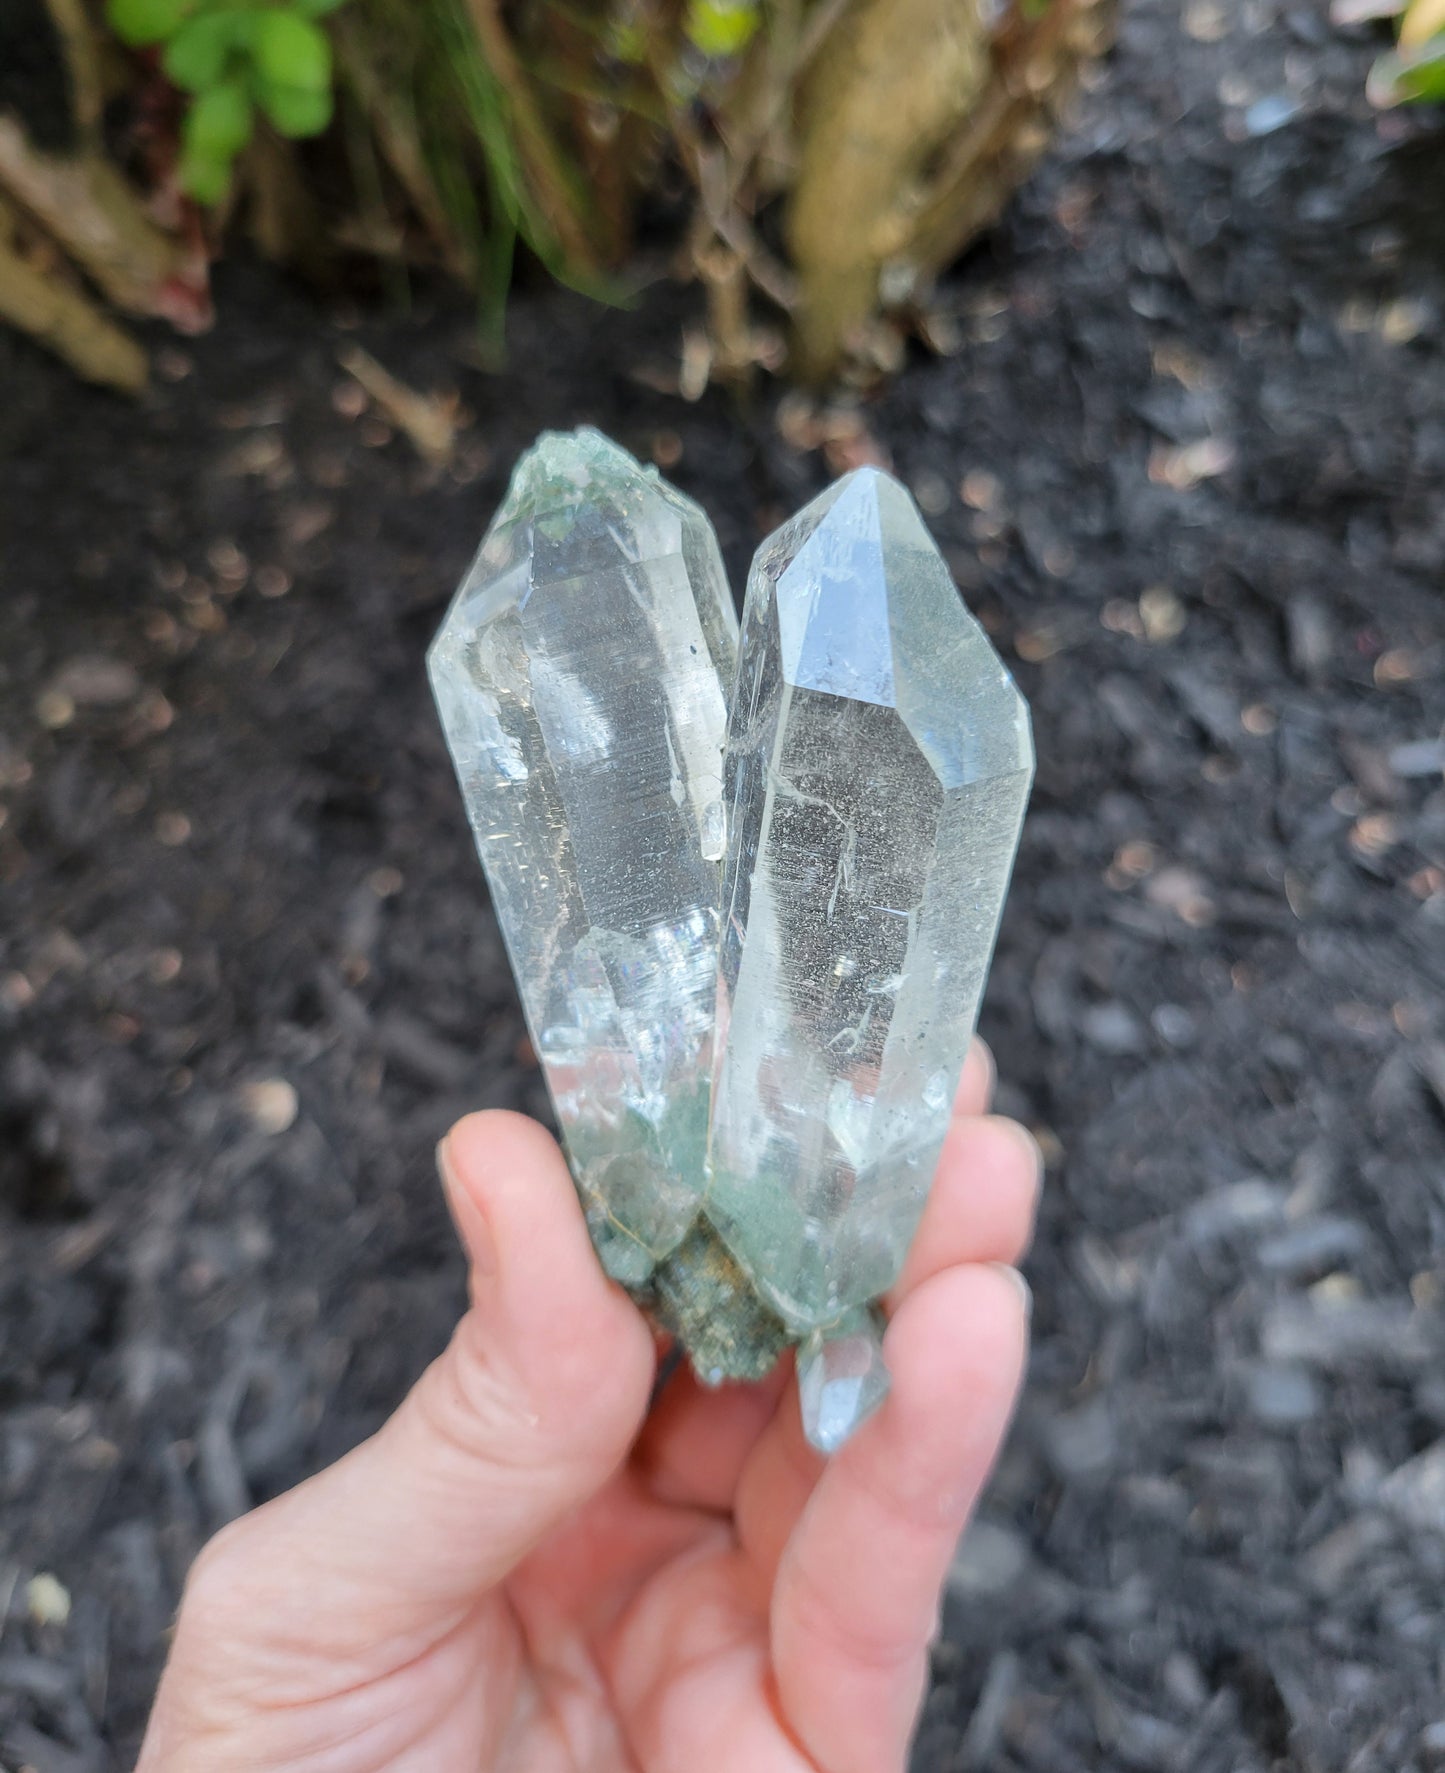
750,890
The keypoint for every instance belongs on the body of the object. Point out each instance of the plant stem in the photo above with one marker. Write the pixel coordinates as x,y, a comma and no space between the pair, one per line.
545,171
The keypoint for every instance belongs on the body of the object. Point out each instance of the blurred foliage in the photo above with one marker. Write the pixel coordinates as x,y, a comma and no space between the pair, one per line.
1414,70
234,57
722,27
816,162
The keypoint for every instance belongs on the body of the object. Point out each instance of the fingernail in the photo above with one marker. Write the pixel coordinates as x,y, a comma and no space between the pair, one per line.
1016,1280
975,1087
468,1218
1031,1145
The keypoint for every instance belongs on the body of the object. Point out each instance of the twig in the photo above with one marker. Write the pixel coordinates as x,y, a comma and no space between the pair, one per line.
401,146
67,322
83,62
100,221
429,420
544,167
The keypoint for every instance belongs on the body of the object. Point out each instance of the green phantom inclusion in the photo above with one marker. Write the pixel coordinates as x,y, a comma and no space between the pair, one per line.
580,674
878,762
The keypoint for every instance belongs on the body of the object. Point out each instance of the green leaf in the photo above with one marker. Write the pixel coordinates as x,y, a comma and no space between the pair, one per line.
218,124
197,55
316,8
627,42
140,22
291,51
294,110
1414,77
721,27
206,179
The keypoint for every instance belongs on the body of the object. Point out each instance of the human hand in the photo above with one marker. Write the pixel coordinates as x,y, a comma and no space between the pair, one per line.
527,1571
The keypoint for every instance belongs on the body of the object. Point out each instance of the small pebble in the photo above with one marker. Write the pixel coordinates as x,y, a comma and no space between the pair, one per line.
1270,113
1083,1442
1317,1246
48,1600
1162,615
271,1103
990,1561
1174,1025
164,966
54,709
173,829
1206,22
1112,1028
94,681
272,581
981,491
1282,1397
1415,1491
1421,757
1403,320
931,492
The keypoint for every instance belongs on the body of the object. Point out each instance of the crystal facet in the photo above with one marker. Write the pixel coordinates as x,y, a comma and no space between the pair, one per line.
878,763
841,1380
581,675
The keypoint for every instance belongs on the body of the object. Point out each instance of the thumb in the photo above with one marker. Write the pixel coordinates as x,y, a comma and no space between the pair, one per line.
530,1409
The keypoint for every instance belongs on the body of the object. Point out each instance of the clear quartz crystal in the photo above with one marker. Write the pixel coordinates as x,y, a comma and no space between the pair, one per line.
841,1380
879,759
581,675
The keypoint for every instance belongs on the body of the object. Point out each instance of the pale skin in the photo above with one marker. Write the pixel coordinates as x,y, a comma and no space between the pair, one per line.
530,1570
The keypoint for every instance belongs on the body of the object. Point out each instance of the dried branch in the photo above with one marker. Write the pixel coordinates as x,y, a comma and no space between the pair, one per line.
400,146
58,316
85,205
429,420
82,59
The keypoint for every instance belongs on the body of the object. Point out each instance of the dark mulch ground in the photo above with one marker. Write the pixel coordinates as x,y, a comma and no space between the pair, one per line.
1199,421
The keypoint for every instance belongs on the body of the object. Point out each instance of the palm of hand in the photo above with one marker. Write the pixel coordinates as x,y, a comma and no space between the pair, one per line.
514,1577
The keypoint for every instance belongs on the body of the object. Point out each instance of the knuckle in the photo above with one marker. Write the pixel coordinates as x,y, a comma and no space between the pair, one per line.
219,1574
470,1404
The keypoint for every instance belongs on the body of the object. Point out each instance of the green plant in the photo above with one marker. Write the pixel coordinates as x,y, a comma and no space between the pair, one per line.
722,27
235,58
1413,72
839,154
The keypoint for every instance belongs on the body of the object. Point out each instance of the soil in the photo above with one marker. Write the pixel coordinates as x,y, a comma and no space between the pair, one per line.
1187,463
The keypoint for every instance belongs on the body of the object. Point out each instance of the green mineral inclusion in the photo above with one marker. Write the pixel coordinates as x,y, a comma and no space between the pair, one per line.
749,948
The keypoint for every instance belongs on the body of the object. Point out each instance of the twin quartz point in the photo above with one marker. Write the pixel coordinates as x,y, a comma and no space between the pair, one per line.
749,892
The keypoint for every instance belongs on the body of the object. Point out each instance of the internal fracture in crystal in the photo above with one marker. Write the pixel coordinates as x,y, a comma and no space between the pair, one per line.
879,759
581,675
